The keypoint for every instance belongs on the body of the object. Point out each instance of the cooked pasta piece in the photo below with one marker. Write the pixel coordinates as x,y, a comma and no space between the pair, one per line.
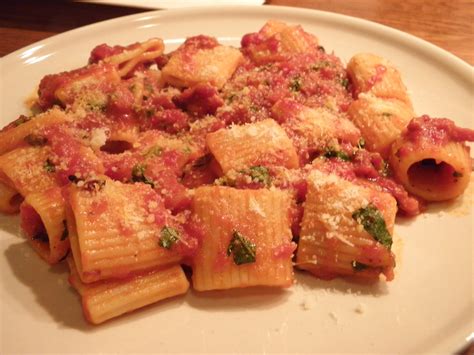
261,143
376,75
136,54
431,160
26,170
380,121
86,87
107,299
10,199
277,40
246,238
191,64
114,229
314,129
43,219
346,229
14,136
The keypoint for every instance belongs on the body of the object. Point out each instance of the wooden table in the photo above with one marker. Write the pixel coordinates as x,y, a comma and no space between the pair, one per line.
448,24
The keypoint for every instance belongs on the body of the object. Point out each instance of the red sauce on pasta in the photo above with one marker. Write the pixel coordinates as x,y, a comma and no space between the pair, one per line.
425,130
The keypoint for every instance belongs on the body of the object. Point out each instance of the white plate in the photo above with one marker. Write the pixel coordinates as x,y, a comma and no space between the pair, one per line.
428,307
173,4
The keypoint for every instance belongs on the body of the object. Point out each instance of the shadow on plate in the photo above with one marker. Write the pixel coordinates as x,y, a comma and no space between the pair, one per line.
48,284
308,282
10,224
256,298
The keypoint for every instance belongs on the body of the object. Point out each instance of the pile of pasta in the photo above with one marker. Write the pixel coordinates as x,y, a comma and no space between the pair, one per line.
239,163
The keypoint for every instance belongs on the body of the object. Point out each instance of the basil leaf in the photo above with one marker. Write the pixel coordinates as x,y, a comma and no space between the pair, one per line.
138,175
372,221
242,250
168,237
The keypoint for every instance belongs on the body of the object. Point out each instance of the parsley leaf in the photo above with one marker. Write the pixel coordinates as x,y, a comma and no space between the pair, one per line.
295,84
457,174
154,151
345,83
242,250
138,175
168,237
332,153
372,221
49,166
260,174
320,65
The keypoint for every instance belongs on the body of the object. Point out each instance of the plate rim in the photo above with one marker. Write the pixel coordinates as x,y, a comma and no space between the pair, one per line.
333,16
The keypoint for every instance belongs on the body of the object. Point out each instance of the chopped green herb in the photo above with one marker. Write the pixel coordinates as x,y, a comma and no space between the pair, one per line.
457,174
264,67
372,221
332,153
36,140
49,166
361,143
225,181
320,65
295,84
150,112
231,98
154,151
358,266
149,87
386,114
345,82
95,105
168,237
321,49
260,174
20,120
242,250
65,231
138,175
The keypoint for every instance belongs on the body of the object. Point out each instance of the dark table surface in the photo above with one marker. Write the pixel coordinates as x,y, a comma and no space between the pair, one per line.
448,24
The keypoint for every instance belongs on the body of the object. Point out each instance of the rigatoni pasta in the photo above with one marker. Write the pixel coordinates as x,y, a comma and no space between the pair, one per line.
228,161
253,144
246,238
380,120
346,229
43,218
376,75
431,159
103,300
110,238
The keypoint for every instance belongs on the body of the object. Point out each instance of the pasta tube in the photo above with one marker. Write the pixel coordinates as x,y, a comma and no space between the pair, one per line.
246,238
431,160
